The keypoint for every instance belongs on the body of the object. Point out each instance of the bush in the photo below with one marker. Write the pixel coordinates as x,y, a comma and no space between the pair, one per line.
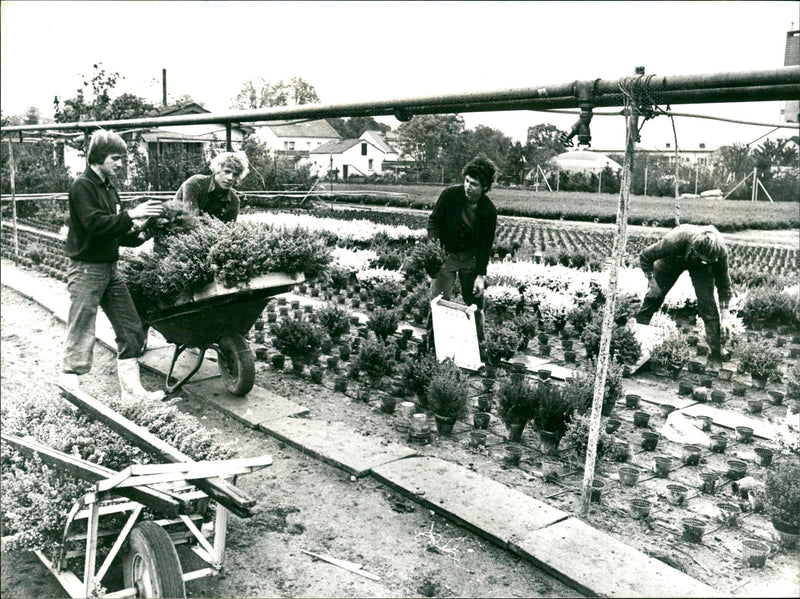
334,319
448,391
416,375
761,360
386,294
770,304
673,352
175,219
501,344
553,409
383,322
624,347
426,258
298,338
577,435
375,357
579,388
782,490
526,326
337,277
515,400
580,316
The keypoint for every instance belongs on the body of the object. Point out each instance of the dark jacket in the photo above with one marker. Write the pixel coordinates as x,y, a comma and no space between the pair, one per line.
674,248
97,225
201,194
447,225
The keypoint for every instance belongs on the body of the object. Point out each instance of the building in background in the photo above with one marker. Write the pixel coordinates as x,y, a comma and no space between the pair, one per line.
296,138
789,112
348,158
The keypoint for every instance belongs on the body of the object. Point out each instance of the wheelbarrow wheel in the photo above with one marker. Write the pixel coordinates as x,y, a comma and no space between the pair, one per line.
236,365
151,564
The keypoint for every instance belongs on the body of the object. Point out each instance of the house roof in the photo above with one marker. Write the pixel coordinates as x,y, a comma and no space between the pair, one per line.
381,142
188,108
318,128
338,146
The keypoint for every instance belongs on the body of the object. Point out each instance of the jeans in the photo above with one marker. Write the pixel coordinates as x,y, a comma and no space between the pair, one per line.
92,285
665,274
463,266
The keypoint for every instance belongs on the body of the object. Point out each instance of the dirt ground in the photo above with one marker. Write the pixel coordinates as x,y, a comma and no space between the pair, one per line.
303,504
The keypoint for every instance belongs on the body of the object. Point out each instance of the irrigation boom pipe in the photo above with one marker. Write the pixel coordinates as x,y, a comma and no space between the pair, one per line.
746,86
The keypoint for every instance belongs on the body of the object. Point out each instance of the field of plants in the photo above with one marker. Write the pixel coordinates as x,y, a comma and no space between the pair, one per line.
726,215
704,492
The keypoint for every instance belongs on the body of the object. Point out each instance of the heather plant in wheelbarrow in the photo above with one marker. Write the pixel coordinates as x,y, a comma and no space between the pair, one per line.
231,254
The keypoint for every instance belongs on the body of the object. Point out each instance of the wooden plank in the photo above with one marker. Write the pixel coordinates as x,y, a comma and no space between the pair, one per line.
217,488
153,498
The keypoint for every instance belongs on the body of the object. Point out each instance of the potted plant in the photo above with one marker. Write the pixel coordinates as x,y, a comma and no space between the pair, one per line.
515,405
526,326
416,375
762,361
447,395
383,322
334,319
299,339
501,344
672,353
579,389
376,359
426,258
577,435
553,411
782,499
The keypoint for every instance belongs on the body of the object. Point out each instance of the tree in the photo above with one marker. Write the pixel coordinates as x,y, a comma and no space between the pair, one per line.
492,143
260,93
32,116
429,137
129,106
544,142
735,160
355,127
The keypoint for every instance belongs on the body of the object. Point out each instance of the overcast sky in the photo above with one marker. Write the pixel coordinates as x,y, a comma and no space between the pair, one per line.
360,51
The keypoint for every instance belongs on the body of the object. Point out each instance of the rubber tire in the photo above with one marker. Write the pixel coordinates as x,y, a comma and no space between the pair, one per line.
236,366
152,560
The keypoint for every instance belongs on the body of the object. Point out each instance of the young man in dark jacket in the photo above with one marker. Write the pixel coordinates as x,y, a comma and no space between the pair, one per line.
97,227
464,220
213,194
701,251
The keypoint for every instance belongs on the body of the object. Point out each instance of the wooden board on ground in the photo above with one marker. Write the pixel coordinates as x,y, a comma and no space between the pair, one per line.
455,334
648,337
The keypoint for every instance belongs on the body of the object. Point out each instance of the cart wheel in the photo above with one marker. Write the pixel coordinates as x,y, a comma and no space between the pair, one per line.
236,366
151,565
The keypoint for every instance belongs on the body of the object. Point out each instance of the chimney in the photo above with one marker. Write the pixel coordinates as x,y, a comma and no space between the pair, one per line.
164,88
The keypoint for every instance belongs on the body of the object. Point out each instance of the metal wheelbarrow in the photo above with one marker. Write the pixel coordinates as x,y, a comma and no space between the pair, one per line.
218,318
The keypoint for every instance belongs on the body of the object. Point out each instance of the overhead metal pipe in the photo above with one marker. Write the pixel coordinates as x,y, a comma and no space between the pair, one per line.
746,86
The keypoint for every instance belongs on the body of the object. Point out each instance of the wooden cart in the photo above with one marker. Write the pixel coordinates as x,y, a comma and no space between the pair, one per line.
180,491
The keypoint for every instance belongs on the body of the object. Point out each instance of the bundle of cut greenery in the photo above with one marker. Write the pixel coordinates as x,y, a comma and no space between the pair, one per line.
232,254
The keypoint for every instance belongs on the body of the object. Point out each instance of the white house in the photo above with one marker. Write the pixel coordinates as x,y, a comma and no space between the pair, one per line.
296,137
348,157
381,140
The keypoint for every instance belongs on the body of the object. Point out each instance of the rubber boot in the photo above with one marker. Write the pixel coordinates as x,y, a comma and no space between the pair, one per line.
714,340
131,383
68,380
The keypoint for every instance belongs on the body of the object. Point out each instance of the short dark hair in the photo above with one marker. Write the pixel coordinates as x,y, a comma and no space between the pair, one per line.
482,169
103,143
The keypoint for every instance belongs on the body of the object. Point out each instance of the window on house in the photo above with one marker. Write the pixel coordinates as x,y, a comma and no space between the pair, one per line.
288,146
370,163
363,149
668,145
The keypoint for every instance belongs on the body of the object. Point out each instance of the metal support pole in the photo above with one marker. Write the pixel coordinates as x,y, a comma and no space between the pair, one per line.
620,241
11,180
754,193
228,144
